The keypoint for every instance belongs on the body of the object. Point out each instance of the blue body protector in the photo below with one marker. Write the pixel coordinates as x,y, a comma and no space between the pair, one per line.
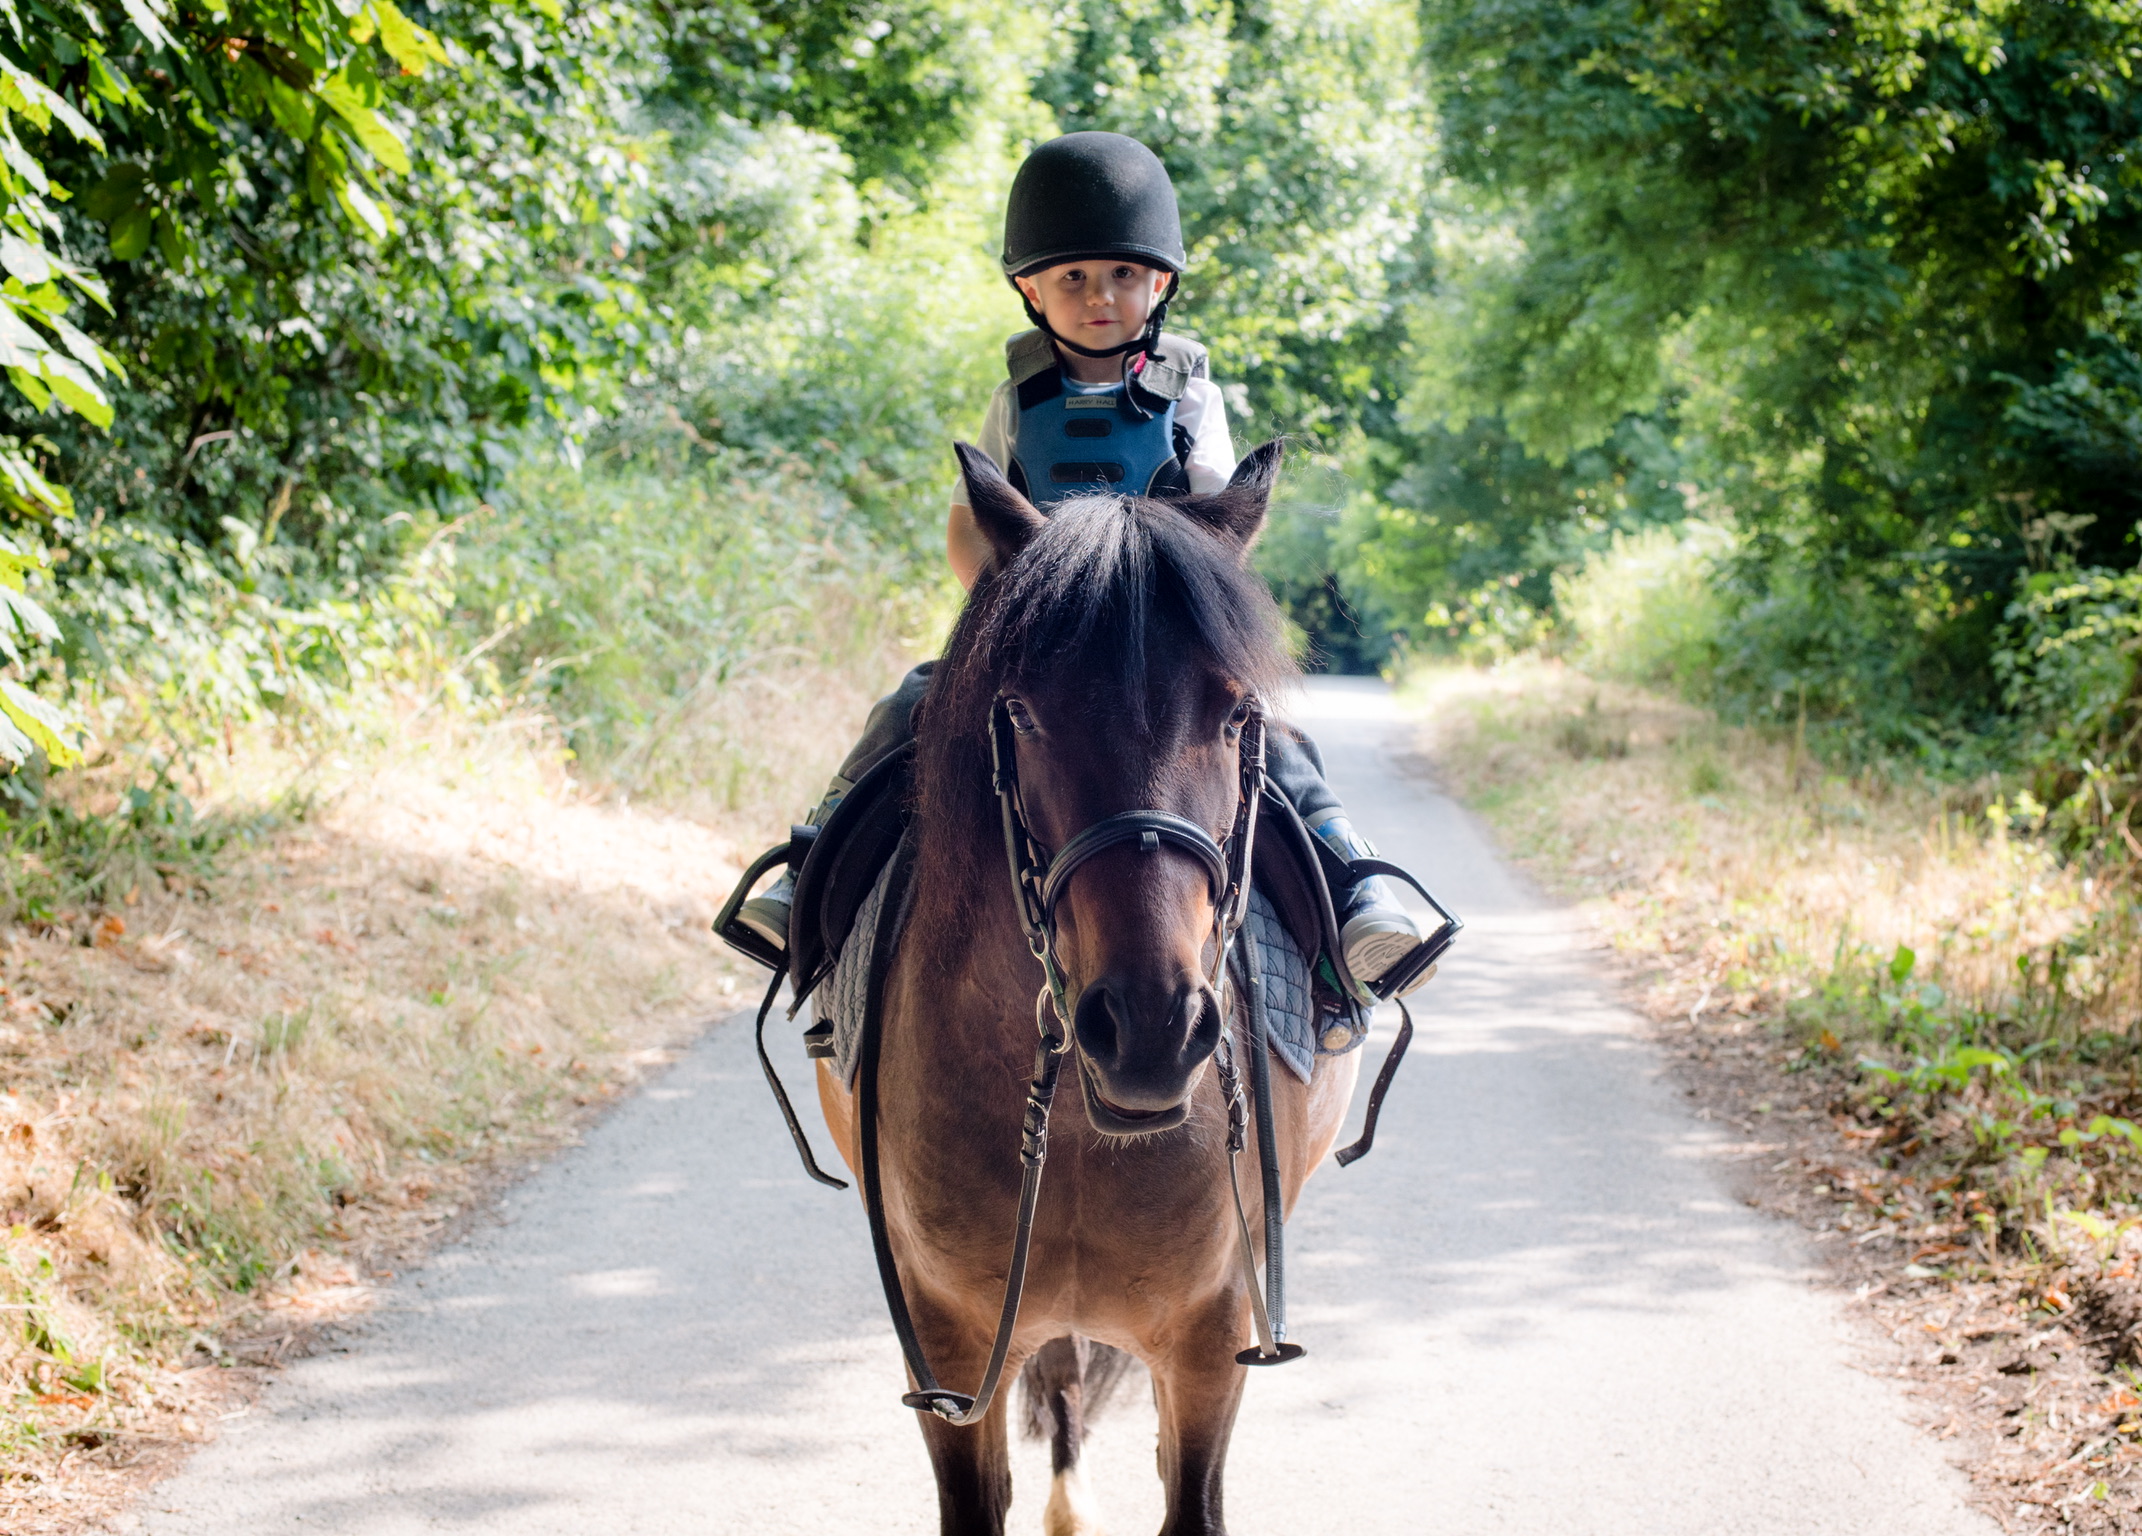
1077,439
1084,442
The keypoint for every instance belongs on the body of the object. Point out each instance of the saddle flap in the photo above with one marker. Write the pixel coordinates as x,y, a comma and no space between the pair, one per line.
1288,866
843,864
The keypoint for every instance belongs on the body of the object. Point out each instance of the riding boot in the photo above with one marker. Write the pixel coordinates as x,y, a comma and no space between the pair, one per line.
1374,930
891,725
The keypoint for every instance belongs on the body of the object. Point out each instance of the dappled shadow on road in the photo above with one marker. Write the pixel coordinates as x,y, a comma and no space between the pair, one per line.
1568,1182
675,1297
679,1298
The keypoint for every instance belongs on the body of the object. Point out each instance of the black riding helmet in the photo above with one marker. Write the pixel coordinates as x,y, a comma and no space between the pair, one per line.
1087,196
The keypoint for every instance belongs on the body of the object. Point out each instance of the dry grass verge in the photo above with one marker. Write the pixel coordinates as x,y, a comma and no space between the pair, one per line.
222,1114
1921,1022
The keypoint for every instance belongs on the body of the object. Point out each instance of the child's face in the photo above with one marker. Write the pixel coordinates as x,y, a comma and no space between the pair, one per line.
1098,304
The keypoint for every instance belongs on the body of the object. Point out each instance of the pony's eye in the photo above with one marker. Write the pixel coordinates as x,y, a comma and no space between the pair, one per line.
1022,718
1238,718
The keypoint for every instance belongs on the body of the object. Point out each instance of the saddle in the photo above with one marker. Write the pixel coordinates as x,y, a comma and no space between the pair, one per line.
838,866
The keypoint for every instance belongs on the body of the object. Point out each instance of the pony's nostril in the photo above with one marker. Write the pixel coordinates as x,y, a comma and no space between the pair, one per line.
1202,1038
1099,1032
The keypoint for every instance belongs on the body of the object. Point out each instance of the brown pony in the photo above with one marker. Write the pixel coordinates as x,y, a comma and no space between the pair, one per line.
1127,636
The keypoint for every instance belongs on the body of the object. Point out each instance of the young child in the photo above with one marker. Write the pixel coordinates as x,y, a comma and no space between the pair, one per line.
1098,398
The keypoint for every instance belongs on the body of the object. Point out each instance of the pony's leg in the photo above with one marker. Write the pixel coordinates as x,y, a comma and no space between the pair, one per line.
973,1469
1055,1383
973,1465
1197,1386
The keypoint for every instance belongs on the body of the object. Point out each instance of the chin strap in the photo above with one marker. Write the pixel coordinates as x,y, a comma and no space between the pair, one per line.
1145,342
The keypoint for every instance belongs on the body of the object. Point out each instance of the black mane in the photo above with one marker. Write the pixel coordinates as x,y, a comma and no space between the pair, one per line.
1078,599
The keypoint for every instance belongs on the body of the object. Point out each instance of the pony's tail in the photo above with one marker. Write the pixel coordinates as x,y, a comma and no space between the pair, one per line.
1066,1383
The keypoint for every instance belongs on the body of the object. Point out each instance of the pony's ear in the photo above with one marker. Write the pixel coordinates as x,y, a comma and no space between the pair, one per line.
1007,519
1237,513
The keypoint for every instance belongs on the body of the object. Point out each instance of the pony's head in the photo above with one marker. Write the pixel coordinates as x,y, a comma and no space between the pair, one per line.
1126,640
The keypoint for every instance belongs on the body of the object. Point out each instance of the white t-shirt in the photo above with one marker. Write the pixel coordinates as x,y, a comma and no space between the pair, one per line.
1201,413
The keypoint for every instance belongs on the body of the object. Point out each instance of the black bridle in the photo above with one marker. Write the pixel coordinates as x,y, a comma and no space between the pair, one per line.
1039,881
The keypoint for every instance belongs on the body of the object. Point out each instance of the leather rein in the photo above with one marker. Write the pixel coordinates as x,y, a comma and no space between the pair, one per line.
1039,882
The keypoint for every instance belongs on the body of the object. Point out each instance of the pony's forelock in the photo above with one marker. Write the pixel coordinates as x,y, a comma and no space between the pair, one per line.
1077,601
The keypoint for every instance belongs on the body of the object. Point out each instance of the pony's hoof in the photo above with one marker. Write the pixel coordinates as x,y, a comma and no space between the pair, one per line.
1071,1510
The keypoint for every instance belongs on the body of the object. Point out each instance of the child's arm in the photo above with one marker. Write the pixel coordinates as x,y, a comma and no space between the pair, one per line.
1202,412
964,545
965,548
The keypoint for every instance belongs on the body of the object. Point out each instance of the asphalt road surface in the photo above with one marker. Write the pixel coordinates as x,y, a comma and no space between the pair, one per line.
1537,1308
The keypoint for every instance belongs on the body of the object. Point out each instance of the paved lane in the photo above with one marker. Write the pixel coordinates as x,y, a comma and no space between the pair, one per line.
1535,1309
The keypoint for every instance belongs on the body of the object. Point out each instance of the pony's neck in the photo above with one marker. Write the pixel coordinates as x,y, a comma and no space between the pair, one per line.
964,899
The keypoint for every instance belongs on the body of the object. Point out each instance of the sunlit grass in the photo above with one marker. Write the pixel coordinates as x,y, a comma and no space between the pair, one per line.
1977,995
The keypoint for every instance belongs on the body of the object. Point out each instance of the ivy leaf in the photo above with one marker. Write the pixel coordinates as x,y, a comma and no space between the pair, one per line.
408,44
27,615
24,489
15,748
97,359
108,82
76,389
146,15
15,562
295,112
24,260
30,96
20,347
32,387
117,192
21,161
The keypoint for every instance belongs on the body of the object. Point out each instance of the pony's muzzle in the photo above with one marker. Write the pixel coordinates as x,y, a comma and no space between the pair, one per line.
1140,1049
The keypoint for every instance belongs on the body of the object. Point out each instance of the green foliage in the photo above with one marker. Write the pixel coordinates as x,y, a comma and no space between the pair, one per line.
2067,667
1866,271
1646,609
58,860
2005,1082
359,271
1296,134
629,604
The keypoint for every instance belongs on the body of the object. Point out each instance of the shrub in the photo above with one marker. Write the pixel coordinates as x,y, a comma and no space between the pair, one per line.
693,628
1647,608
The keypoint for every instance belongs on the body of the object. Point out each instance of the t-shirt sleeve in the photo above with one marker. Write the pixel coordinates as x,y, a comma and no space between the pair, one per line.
995,439
1202,413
